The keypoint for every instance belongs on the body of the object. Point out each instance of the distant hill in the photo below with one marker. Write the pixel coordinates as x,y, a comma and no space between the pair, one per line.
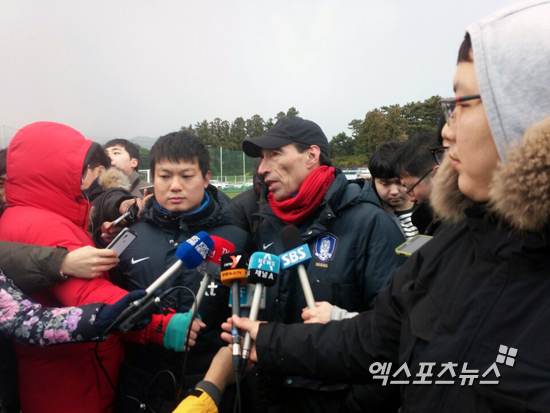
144,141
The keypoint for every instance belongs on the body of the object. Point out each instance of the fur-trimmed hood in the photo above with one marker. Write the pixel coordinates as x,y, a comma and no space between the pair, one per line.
520,191
110,179
114,178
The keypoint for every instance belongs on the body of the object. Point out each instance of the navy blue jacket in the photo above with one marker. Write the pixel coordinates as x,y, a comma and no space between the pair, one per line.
146,259
358,262
352,242
472,295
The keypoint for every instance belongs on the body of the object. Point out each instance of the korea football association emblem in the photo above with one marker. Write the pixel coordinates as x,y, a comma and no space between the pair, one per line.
325,247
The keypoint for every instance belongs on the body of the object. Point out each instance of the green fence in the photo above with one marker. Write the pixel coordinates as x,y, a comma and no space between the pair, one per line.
231,171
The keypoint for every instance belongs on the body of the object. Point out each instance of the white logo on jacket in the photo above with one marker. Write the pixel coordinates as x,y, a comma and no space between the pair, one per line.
133,261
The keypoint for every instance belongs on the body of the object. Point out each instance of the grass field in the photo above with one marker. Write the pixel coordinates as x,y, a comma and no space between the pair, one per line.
232,194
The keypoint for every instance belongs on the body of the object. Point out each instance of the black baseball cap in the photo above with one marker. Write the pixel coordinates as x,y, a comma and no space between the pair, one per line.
288,129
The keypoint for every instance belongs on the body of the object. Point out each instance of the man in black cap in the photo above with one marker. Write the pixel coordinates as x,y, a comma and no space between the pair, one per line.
350,238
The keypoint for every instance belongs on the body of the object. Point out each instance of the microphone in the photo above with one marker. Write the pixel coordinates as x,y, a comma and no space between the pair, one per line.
246,298
191,253
263,270
233,274
210,268
297,254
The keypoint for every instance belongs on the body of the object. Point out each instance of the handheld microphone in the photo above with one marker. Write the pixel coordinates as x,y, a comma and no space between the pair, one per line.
210,268
263,270
138,314
233,274
247,297
191,253
297,254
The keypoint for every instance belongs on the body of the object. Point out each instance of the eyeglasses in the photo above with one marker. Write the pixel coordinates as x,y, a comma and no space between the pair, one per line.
449,105
411,189
438,153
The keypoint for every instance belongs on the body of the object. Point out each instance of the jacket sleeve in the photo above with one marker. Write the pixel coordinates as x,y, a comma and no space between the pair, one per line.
382,237
339,351
32,268
106,208
77,291
110,203
25,321
204,399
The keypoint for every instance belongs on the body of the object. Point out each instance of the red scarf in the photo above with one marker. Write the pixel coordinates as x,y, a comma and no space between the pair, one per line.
312,191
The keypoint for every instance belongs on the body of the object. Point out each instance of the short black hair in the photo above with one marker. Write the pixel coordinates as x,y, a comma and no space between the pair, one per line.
414,157
132,149
465,51
95,157
381,161
323,159
180,146
3,154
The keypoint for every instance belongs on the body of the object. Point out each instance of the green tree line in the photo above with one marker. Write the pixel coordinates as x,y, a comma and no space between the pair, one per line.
380,125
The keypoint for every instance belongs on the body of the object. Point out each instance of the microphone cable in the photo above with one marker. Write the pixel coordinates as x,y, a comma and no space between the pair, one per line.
143,406
238,403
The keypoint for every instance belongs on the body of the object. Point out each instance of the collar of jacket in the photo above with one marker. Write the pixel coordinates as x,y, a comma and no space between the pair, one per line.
341,194
134,180
519,195
112,178
220,215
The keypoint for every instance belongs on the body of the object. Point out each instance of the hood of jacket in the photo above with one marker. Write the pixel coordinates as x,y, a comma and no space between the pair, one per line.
344,193
112,178
519,194
511,51
44,163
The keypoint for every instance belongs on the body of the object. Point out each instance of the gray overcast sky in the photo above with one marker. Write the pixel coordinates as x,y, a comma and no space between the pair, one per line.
135,67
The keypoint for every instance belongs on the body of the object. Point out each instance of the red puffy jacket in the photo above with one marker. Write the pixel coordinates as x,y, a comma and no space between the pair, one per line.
45,162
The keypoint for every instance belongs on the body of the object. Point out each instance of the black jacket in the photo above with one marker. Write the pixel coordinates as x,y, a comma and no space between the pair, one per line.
245,206
477,293
474,288
359,263
362,257
147,258
106,194
424,219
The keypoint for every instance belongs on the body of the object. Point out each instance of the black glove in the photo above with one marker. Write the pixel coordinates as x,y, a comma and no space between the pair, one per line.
109,313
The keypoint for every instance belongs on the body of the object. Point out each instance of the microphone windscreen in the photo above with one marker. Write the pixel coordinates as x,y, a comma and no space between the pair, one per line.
291,237
194,251
233,268
221,246
263,268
